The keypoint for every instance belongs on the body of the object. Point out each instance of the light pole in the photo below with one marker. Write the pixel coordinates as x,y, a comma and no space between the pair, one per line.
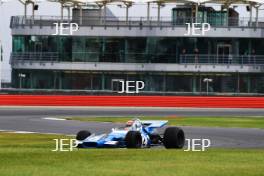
207,80
21,76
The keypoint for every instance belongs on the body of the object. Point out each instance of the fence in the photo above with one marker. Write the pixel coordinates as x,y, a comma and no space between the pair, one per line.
130,21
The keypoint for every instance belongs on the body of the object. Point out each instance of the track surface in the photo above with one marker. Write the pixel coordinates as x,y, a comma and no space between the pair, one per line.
125,111
33,119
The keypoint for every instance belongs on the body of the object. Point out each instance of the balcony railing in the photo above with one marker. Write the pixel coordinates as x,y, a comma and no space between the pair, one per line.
139,58
221,59
35,56
134,21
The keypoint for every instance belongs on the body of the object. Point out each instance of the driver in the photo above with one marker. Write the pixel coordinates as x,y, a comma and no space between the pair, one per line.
130,123
133,124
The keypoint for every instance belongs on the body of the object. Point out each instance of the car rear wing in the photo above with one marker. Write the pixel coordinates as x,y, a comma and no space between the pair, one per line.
154,123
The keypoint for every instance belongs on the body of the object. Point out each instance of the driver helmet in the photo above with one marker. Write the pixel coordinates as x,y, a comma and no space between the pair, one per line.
129,123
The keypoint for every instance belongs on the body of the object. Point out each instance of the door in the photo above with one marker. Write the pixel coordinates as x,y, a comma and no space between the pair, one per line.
38,51
223,53
116,85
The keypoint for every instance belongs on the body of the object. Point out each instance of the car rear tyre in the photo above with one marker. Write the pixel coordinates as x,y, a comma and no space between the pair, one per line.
81,135
133,139
174,138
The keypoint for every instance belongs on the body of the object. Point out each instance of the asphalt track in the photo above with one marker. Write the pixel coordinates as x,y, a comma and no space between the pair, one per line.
35,119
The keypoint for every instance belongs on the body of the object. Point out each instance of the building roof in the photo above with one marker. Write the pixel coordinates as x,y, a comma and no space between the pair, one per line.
145,1
178,1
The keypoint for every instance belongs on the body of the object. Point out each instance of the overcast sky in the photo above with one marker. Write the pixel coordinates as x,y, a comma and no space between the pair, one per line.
53,9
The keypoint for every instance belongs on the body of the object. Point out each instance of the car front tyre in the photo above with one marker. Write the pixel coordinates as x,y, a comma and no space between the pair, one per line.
133,139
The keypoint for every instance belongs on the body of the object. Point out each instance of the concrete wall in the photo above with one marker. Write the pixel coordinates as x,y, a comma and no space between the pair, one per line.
121,31
221,68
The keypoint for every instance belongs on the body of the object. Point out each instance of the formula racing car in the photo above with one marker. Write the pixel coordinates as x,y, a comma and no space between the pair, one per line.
136,134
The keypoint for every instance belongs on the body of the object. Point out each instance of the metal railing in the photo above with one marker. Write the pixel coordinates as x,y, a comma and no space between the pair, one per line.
134,21
138,58
35,56
221,59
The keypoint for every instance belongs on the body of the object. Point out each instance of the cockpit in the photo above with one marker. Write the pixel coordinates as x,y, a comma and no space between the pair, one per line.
134,125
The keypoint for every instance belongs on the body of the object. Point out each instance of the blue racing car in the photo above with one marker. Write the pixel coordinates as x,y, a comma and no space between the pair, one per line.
136,134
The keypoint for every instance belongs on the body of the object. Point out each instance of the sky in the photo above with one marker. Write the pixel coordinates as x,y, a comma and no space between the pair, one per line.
14,8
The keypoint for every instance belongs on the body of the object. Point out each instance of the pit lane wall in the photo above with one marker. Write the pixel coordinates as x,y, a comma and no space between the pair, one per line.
133,101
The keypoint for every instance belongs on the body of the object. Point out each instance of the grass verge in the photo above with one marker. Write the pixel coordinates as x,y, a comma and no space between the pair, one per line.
31,155
242,122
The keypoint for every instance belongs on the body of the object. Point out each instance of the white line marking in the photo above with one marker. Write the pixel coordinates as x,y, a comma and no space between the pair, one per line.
32,132
22,132
53,118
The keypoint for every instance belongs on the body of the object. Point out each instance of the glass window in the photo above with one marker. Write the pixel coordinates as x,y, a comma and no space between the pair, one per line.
18,44
113,50
135,50
65,48
162,50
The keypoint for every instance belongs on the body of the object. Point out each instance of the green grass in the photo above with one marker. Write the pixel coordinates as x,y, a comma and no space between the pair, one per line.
242,122
31,155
